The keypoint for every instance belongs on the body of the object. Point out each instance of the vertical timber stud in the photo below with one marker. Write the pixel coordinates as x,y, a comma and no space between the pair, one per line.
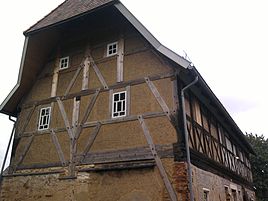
73,143
85,74
111,91
120,60
55,76
168,185
128,100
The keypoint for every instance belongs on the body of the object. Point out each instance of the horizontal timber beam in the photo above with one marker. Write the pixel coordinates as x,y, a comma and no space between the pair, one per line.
92,91
102,122
123,155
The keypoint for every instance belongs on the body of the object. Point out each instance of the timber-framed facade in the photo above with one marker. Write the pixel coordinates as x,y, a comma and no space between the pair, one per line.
99,116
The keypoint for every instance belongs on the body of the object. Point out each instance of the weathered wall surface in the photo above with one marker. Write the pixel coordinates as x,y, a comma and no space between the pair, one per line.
216,185
124,185
139,61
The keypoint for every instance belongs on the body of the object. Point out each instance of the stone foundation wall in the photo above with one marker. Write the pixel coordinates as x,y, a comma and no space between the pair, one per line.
219,189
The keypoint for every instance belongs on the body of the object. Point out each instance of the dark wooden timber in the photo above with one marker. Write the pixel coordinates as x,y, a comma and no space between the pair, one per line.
168,185
92,91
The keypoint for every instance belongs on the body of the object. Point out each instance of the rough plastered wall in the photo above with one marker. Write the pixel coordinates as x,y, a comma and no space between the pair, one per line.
216,185
122,185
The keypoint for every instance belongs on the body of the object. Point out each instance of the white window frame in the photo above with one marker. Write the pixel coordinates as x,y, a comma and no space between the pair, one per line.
61,62
205,190
108,49
124,102
41,119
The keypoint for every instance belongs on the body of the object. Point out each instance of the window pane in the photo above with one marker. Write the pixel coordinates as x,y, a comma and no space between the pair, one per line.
122,96
116,97
119,106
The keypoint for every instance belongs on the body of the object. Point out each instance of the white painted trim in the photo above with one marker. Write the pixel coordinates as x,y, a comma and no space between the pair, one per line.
60,62
125,104
107,49
49,117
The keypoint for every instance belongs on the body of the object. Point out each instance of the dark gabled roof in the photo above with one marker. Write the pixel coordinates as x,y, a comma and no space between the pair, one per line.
68,9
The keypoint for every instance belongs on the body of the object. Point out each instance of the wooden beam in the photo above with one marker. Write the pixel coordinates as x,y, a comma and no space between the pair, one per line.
85,74
168,185
91,140
65,118
55,77
92,91
55,141
98,73
158,97
129,154
75,117
120,60
71,84
24,152
87,113
26,122
147,115
142,153
128,100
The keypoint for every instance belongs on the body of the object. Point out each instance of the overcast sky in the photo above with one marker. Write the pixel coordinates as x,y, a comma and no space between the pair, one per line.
226,40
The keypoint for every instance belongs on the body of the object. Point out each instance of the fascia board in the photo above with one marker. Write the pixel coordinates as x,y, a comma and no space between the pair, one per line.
2,106
150,38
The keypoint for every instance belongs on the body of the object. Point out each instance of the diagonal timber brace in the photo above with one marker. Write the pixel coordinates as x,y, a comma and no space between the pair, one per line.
87,113
65,118
90,141
168,185
97,71
55,141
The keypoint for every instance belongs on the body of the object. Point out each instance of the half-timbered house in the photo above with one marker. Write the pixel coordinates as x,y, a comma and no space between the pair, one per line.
100,114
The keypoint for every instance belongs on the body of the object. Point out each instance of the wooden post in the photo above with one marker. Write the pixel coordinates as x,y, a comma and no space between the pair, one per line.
128,100
120,60
55,76
85,74
168,185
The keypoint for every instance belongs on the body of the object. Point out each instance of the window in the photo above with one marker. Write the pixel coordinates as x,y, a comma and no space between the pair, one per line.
112,49
44,118
205,194
119,104
64,63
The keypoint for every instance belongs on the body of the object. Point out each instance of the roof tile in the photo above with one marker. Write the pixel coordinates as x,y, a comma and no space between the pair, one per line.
66,10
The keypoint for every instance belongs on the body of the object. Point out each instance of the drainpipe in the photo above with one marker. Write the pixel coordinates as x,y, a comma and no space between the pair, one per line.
186,135
9,143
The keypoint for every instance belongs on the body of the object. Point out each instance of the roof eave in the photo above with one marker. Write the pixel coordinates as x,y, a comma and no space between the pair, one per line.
10,95
222,108
30,32
149,37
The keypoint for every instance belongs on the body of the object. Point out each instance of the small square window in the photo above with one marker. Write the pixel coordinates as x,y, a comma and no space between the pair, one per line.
64,63
44,118
119,104
112,49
